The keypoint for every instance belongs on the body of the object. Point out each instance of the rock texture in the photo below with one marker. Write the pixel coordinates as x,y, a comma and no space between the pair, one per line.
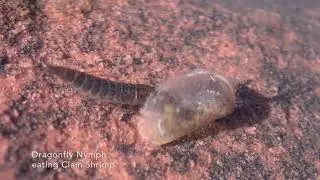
275,46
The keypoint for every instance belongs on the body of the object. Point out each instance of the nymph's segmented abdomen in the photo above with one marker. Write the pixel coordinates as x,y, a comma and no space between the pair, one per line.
115,92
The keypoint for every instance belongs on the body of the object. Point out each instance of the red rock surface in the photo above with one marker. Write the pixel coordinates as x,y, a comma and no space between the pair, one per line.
273,134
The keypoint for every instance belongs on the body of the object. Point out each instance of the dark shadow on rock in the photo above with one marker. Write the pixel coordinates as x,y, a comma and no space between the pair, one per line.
251,108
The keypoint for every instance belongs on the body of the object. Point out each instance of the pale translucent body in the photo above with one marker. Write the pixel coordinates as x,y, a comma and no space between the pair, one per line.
184,104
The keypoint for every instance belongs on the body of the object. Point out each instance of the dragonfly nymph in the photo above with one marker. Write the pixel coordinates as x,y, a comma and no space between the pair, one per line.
115,92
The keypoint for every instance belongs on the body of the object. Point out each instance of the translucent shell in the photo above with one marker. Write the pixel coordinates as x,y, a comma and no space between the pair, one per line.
184,104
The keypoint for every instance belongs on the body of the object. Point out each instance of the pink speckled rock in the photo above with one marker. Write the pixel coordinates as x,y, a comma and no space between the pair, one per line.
273,132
